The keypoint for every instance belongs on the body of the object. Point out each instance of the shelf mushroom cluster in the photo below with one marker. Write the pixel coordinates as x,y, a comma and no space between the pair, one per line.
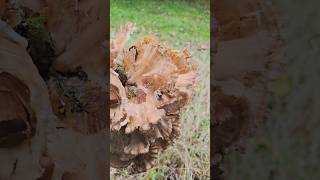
149,85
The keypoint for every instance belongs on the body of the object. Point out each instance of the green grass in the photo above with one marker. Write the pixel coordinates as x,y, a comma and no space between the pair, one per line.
171,20
181,24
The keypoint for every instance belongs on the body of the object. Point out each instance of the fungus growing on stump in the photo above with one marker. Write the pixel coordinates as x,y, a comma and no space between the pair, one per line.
149,85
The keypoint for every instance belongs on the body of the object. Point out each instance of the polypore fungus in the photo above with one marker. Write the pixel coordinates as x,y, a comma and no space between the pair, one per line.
149,85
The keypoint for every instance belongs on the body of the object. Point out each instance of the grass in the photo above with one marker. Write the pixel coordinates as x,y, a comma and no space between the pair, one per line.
180,24
174,21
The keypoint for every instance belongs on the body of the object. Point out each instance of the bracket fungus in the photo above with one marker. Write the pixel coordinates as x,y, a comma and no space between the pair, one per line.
25,110
56,112
149,85
51,121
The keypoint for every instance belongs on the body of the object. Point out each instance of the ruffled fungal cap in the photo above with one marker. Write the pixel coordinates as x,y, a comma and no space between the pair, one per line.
149,85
